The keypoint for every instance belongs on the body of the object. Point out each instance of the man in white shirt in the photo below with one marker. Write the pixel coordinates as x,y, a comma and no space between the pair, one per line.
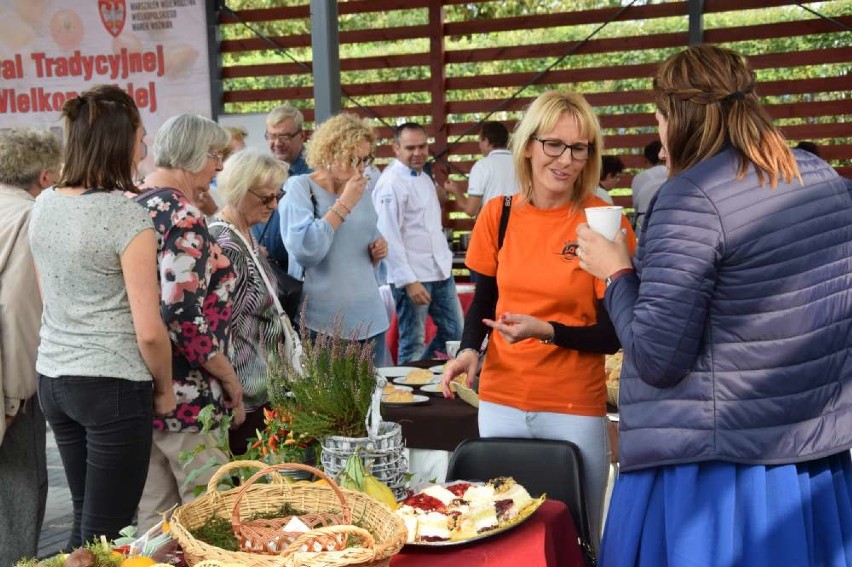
646,183
492,176
419,259
611,168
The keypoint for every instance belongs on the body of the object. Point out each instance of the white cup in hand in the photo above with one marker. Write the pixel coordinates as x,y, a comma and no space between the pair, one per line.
605,220
452,348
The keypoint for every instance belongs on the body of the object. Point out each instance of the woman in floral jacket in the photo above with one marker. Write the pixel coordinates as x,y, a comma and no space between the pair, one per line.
197,282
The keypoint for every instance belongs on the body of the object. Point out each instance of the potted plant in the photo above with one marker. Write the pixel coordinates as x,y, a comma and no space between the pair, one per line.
279,442
330,398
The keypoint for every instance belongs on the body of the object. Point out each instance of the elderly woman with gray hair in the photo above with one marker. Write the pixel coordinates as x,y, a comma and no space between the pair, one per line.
250,187
196,285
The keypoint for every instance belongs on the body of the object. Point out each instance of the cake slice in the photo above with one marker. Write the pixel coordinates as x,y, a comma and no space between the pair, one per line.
475,520
441,493
433,526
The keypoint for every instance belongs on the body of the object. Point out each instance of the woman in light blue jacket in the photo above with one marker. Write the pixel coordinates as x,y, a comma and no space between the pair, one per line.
328,224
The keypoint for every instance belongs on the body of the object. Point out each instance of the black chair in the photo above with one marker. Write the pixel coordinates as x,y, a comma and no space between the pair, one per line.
540,465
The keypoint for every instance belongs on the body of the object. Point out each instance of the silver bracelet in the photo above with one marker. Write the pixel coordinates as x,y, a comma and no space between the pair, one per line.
462,351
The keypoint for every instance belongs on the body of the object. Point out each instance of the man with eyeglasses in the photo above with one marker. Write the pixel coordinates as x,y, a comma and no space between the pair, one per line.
419,259
286,138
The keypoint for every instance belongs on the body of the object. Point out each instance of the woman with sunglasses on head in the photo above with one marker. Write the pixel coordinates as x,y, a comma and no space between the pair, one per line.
736,316
196,283
543,373
328,224
250,188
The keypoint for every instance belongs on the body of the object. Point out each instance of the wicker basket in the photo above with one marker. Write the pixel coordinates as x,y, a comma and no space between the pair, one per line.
384,532
384,454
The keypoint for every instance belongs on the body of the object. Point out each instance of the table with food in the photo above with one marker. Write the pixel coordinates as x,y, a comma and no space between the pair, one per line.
354,503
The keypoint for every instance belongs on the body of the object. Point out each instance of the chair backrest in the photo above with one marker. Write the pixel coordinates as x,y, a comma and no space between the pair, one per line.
540,465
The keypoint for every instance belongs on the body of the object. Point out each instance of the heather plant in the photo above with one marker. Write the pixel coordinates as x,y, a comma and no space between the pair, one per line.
332,393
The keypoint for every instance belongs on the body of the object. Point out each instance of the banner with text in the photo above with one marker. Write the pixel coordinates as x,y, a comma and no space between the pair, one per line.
51,50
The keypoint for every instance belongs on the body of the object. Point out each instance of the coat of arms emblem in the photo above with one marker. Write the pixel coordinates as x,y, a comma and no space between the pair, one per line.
113,13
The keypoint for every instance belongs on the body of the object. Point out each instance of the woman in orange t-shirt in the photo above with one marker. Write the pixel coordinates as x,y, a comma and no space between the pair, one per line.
543,374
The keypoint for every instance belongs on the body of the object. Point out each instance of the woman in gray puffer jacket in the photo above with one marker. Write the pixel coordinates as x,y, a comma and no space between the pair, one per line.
736,321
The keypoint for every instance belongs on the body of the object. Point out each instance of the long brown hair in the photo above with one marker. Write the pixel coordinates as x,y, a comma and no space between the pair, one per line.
100,139
707,94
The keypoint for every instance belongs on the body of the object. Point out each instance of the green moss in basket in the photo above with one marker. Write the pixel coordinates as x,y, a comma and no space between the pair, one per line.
331,393
217,532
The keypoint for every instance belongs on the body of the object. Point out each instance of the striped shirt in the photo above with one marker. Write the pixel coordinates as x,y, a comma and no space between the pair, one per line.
255,329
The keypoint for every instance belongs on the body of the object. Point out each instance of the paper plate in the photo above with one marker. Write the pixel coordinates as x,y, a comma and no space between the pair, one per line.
418,400
437,369
433,389
401,381
394,371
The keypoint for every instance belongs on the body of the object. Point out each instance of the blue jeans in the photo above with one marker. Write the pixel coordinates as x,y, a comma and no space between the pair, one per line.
103,431
589,433
445,311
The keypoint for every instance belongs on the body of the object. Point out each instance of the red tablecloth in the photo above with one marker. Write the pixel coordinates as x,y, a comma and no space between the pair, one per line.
547,539
392,337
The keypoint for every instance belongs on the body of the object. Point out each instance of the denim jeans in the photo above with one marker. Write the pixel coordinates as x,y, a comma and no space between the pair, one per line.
445,311
589,433
103,430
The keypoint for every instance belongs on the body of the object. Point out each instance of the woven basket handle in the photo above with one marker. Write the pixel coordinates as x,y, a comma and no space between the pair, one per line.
306,538
213,483
235,514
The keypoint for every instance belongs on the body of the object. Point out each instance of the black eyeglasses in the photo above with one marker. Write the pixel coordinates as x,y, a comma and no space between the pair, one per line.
267,200
283,137
366,160
555,149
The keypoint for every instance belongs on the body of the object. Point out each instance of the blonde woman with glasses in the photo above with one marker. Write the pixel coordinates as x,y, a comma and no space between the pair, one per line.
543,372
328,224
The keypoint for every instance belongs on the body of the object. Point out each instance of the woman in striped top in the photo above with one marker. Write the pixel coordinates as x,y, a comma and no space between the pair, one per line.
250,186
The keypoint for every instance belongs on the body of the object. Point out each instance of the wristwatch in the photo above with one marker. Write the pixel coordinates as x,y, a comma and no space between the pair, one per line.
612,277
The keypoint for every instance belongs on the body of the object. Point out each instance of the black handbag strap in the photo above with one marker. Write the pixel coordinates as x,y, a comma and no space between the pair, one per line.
504,220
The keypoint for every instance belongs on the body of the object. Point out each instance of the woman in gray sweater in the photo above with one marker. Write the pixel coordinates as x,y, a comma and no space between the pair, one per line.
104,360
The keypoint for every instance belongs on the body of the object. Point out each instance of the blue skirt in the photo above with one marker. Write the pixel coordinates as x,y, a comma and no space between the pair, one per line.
719,514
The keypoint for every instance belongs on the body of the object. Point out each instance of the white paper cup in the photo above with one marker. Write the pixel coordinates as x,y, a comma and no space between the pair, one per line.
452,348
605,220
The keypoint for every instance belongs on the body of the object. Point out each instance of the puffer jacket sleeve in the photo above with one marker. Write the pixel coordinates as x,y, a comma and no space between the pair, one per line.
660,313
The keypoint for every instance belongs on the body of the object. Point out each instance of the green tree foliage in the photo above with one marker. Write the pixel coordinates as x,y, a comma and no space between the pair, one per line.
563,40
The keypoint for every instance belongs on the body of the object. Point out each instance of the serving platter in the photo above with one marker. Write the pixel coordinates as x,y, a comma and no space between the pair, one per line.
522,517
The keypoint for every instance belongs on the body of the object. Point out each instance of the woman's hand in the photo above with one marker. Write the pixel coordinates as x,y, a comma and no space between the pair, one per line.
600,256
353,190
234,398
164,401
467,361
516,327
238,415
378,250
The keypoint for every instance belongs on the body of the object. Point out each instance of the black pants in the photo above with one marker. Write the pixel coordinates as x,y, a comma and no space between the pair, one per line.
103,431
23,490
